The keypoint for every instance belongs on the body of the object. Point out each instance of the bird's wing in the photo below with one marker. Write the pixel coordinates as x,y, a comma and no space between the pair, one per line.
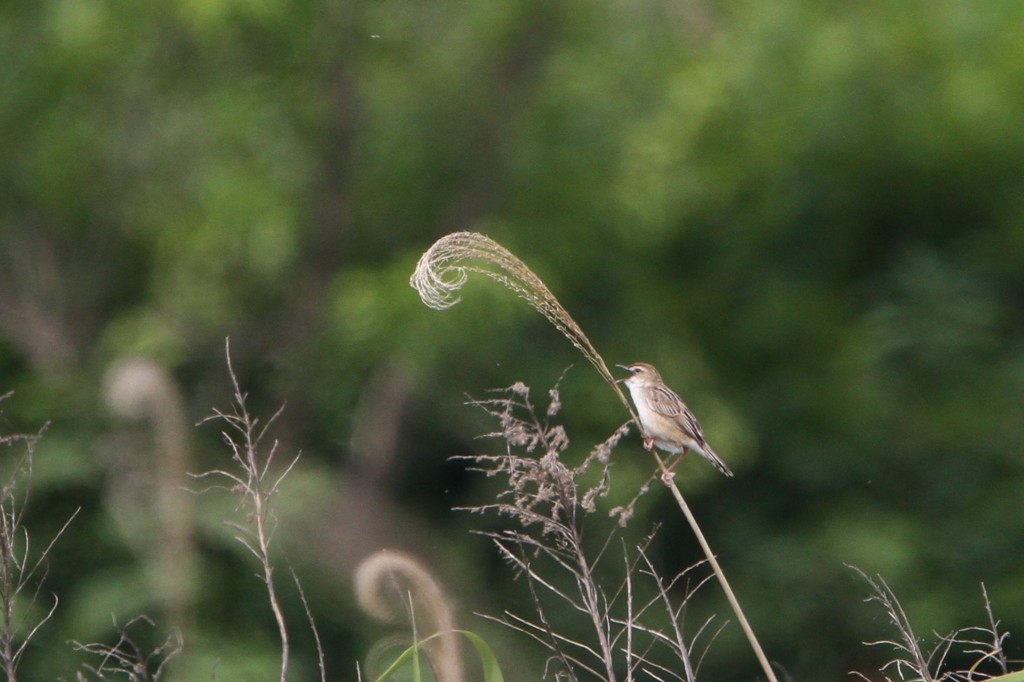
693,426
665,402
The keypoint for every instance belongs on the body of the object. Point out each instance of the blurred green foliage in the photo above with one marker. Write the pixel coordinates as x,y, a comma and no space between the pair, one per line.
809,215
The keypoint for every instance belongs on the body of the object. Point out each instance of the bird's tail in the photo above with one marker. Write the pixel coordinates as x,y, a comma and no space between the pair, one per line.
710,456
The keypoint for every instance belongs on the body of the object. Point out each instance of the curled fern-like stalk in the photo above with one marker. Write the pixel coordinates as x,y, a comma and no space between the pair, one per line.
443,270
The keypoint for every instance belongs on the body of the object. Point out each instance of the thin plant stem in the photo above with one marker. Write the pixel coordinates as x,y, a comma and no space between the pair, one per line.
591,597
723,581
18,570
321,664
259,498
255,487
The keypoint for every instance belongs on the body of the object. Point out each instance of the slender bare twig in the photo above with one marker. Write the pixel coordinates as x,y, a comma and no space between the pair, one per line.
678,641
991,647
552,639
630,663
127,658
321,663
255,485
19,573
910,656
984,644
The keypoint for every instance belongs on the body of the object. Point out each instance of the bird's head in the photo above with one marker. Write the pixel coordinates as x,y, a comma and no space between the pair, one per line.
640,373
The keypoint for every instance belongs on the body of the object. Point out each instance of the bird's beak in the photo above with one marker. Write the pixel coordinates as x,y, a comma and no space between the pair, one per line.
619,381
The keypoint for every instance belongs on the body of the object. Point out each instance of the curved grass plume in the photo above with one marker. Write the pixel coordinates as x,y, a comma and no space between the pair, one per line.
443,270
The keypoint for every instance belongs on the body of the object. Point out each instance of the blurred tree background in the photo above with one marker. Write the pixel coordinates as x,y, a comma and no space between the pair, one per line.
809,215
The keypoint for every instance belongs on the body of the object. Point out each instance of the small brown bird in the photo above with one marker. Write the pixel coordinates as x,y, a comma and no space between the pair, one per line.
666,420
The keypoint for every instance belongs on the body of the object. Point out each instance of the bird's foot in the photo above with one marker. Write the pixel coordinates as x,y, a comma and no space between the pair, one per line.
667,475
648,443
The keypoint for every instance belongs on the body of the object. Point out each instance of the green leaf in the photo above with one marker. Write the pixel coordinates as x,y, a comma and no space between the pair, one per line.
488,661
1009,677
